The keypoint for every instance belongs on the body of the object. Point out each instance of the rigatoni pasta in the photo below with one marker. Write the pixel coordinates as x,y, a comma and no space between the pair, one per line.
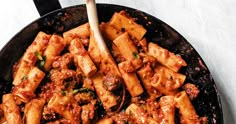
67,79
11,110
82,31
123,23
54,48
82,58
131,80
33,111
187,111
31,56
165,57
25,90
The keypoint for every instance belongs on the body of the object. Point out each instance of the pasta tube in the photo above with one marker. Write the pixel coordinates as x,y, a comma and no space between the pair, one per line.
11,110
127,49
139,114
165,57
23,68
131,80
25,90
167,104
123,23
156,82
30,56
186,109
33,111
82,58
82,31
109,32
171,80
39,45
107,98
60,104
146,74
126,46
56,45
93,50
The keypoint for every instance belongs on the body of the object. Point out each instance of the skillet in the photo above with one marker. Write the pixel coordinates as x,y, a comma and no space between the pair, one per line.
58,21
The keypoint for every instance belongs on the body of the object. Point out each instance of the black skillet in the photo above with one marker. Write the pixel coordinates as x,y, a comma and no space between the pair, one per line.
207,103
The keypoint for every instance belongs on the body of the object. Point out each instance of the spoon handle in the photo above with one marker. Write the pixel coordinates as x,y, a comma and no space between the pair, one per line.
93,21
94,27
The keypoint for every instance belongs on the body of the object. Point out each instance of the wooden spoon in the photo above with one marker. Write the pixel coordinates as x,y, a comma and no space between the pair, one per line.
94,26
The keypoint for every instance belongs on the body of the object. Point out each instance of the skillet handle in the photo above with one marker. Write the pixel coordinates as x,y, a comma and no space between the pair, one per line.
46,6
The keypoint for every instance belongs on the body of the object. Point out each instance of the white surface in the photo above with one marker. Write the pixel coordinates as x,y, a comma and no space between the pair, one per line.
209,25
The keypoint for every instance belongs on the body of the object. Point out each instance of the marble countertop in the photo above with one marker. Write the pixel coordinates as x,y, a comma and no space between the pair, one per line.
209,25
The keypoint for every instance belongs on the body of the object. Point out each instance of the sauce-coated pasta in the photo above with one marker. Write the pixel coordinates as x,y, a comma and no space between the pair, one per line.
64,79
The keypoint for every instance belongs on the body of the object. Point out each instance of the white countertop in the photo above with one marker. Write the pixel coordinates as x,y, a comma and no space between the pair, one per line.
209,25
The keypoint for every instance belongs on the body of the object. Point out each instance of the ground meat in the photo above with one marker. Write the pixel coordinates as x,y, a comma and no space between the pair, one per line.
112,82
137,100
148,59
88,83
152,107
122,118
64,61
48,114
191,90
47,91
60,121
128,67
87,113
60,77
76,111
83,98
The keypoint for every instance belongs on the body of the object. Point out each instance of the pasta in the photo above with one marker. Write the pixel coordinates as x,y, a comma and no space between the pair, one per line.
187,111
24,92
64,78
165,57
54,48
11,110
33,111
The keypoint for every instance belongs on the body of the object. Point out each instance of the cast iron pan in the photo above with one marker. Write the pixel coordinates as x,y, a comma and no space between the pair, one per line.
207,103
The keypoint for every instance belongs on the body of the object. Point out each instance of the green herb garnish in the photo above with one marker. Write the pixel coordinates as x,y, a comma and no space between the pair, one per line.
84,90
75,91
41,60
63,92
125,121
38,55
135,54
24,78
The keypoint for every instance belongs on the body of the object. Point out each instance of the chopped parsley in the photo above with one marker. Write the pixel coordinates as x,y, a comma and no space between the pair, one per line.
39,56
41,62
75,91
63,92
84,90
135,54
24,78
125,121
